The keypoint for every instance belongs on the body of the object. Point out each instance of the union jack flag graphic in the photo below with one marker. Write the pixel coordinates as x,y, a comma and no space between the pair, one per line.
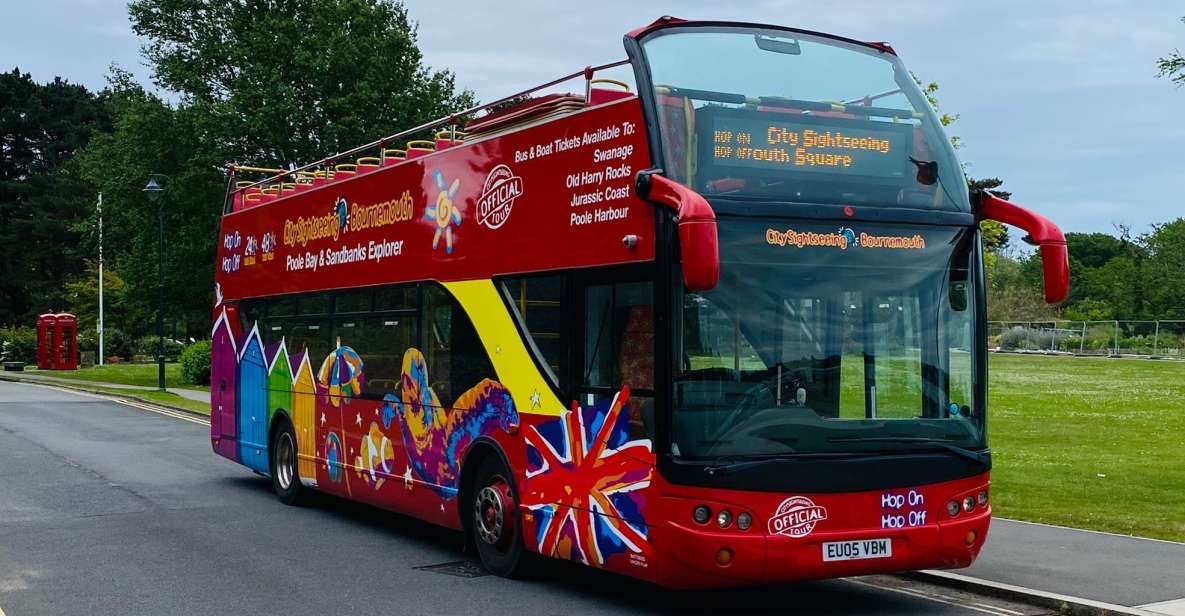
585,482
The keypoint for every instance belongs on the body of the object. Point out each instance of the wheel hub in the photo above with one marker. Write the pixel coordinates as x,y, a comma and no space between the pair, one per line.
285,461
493,513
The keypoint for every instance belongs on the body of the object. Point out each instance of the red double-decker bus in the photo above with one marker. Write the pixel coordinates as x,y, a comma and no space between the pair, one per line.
728,329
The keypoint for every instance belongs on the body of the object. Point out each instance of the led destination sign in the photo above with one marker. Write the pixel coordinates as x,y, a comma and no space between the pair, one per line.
845,147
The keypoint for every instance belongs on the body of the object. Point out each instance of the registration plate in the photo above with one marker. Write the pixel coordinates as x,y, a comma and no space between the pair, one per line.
857,550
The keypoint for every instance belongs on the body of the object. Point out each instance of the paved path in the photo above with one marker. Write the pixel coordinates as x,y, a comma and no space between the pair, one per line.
1123,570
191,394
108,509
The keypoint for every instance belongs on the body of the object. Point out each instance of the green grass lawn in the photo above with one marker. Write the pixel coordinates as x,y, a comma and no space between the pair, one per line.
1089,442
141,375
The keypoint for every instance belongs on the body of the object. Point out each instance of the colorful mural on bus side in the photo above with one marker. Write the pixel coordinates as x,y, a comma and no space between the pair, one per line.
582,479
458,216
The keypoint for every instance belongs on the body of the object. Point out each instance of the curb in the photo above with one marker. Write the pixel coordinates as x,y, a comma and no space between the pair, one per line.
1063,604
129,396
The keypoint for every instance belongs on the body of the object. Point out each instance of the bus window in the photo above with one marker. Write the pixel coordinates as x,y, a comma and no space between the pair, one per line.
308,334
456,358
314,304
397,298
352,301
251,311
282,307
536,304
619,350
380,341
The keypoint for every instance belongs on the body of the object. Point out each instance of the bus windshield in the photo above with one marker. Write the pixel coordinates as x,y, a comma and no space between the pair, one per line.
775,115
825,339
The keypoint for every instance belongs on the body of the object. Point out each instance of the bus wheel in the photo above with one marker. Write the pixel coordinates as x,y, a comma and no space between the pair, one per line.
496,527
285,481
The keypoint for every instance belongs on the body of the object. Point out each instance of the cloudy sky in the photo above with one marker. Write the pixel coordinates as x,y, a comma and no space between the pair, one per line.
1058,98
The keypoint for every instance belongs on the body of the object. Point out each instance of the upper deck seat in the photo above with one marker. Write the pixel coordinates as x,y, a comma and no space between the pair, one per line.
420,147
599,96
367,164
392,156
445,139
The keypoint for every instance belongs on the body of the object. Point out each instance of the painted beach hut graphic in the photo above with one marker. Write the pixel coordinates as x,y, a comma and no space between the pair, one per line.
252,399
279,379
304,413
224,367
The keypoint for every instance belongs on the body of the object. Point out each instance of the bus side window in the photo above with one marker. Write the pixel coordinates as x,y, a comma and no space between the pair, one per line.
456,357
537,304
619,349
381,341
308,335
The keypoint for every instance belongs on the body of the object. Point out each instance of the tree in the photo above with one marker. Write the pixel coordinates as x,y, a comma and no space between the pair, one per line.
150,136
283,82
1173,66
1165,284
41,190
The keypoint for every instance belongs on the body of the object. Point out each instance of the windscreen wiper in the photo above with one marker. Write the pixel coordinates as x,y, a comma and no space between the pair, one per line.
966,453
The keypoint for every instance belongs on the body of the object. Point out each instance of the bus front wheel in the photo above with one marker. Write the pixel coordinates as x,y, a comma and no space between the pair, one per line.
496,525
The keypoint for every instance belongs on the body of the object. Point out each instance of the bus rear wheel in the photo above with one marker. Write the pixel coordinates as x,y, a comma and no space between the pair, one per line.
285,480
497,530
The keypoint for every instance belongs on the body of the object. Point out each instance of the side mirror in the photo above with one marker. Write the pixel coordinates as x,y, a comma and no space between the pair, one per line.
1055,259
699,247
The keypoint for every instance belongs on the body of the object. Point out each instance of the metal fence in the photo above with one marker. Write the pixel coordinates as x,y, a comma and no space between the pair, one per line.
1163,339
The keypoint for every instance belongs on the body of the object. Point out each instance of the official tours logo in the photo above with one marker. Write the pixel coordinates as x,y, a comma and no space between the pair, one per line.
796,517
501,188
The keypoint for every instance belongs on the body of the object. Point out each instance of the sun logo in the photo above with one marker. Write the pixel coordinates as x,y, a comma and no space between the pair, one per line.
444,213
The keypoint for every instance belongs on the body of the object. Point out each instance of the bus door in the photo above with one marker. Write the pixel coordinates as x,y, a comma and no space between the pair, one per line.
615,347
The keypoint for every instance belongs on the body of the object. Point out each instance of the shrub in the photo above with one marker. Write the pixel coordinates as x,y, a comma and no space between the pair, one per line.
116,343
88,340
195,363
18,344
1025,338
147,345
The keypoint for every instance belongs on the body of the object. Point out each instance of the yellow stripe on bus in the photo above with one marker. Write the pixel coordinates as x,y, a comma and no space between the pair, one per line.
512,361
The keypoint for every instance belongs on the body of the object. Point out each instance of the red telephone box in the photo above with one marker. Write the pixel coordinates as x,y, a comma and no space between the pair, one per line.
57,342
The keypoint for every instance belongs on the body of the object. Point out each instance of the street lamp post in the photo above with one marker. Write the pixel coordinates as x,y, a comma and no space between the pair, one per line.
158,185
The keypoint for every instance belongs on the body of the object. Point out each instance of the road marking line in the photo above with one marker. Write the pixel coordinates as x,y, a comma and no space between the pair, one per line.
929,597
1172,607
1097,532
1002,609
164,411
1020,594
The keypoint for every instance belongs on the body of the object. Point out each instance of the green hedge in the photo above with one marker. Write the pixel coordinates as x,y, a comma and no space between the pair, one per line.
195,363
18,344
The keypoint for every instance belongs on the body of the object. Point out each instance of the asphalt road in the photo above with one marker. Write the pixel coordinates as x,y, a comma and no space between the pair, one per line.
106,508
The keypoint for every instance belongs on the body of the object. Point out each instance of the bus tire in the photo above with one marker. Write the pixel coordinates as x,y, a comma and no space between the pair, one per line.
285,480
493,511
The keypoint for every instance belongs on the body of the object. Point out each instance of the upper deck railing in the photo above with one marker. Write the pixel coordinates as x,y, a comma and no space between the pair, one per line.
281,182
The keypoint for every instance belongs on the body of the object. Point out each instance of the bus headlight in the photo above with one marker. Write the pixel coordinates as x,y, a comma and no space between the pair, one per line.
702,514
744,520
983,496
952,508
968,503
723,518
